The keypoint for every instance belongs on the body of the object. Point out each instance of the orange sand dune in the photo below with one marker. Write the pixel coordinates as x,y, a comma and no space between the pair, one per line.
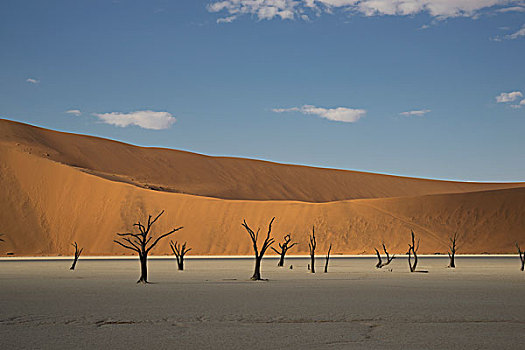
45,205
219,177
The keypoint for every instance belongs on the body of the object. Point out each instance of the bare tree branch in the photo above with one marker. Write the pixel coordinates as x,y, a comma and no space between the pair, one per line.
268,241
179,251
161,237
140,242
389,258
453,248
77,255
312,244
327,259
522,256
285,247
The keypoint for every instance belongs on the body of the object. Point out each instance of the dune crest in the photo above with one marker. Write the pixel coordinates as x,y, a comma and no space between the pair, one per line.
220,177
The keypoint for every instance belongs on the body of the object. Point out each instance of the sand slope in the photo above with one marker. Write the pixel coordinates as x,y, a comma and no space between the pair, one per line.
45,205
220,177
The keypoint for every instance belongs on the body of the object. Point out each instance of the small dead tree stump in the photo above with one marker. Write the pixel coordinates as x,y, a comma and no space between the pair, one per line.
179,251
285,246
268,241
522,257
389,258
452,250
412,250
312,244
77,254
140,243
327,259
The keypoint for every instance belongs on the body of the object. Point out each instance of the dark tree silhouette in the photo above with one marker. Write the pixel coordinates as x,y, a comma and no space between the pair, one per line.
268,241
138,242
327,259
285,246
179,251
522,257
77,254
453,249
389,258
412,249
312,244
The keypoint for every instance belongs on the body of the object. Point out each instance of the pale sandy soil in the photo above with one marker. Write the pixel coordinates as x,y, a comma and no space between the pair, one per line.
213,305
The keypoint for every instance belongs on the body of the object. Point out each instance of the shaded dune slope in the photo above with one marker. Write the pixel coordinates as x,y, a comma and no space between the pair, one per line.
220,177
45,205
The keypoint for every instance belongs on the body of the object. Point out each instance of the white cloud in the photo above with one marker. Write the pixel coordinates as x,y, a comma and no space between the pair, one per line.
517,34
419,112
508,96
75,112
262,9
32,81
228,19
144,119
291,9
339,114
519,105
512,9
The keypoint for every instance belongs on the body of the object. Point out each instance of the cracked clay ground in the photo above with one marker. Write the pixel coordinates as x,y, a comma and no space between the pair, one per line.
213,305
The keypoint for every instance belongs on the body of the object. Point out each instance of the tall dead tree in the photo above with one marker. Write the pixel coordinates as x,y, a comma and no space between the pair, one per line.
268,241
140,243
179,251
452,250
312,244
412,250
77,254
389,258
522,257
327,259
285,246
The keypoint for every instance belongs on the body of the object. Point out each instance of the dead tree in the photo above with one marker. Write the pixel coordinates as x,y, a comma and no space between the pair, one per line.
285,246
327,258
311,245
522,257
179,251
77,254
140,243
389,258
453,248
412,249
268,241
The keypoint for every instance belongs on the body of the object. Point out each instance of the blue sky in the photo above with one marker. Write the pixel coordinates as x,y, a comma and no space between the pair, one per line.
426,88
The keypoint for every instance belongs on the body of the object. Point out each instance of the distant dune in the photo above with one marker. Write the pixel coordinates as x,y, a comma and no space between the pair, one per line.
58,187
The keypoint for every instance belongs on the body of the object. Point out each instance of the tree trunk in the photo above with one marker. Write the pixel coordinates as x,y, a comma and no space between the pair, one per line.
327,259
74,263
522,264
180,264
143,269
281,260
257,273
452,262
312,267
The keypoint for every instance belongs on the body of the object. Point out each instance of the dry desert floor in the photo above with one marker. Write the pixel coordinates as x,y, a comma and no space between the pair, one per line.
214,305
